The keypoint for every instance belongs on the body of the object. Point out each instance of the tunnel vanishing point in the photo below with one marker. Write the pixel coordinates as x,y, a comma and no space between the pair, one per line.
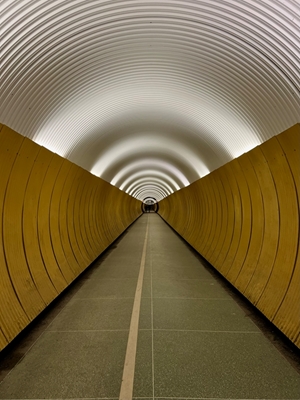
194,105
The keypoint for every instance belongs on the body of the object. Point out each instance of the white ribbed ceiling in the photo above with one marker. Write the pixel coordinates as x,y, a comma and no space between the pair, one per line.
150,95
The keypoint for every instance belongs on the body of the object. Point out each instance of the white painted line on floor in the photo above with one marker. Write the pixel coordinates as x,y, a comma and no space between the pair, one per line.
152,314
126,391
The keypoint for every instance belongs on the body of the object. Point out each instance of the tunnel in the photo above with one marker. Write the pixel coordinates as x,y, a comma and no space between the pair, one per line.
150,174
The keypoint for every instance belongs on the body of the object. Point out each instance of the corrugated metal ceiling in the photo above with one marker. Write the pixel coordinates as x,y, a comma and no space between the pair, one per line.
150,95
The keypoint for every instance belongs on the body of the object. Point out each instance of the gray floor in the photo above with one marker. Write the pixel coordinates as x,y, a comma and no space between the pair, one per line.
194,342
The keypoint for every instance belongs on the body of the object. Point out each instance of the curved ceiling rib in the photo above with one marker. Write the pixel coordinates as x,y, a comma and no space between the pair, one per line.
155,192
146,163
164,91
141,183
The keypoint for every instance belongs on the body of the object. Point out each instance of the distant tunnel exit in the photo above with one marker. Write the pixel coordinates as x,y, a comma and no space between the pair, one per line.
150,204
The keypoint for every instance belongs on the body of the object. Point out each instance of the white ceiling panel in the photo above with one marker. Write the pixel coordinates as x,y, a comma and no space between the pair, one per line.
167,90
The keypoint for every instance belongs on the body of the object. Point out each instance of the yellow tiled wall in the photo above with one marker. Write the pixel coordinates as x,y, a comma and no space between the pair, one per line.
244,219
55,219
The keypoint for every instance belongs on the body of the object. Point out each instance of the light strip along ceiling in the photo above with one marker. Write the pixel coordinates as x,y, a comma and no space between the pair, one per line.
171,87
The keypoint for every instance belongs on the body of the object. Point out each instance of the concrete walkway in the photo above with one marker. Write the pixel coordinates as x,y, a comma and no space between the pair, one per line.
194,341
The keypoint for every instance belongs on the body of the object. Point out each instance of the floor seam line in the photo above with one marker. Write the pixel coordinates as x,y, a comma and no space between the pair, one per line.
103,298
196,298
204,330
89,330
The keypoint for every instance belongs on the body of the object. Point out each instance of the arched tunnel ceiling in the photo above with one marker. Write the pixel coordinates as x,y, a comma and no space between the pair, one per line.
150,95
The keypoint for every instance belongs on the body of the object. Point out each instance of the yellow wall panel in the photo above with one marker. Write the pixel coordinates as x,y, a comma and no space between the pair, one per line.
88,217
245,218
287,315
30,227
220,261
200,196
288,228
18,267
210,220
44,234
55,219
204,201
98,214
264,266
236,211
12,315
65,236
71,198
190,233
80,233
222,220
87,214
216,227
249,230
257,227
83,202
101,214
